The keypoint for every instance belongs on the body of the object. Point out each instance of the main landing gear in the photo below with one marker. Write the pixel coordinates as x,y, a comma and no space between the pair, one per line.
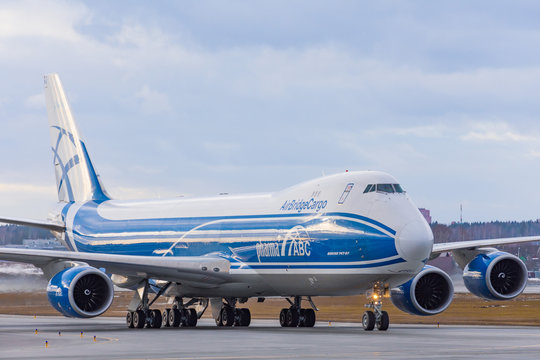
295,316
140,315
376,318
230,315
179,315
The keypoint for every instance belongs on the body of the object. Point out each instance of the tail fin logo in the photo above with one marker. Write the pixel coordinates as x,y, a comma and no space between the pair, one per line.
63,178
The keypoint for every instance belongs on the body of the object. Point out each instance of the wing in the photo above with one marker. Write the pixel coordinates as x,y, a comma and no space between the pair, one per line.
200,269
44,224
444,247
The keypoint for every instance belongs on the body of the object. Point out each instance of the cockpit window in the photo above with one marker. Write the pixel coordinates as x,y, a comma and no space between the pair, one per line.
398,188
384,188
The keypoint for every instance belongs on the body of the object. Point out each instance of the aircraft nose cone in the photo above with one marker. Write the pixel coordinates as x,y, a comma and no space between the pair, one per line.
415,241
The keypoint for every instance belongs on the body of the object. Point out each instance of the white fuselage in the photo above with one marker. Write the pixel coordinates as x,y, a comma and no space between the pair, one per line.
322,237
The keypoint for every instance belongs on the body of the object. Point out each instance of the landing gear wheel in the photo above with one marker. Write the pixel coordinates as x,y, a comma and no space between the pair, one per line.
129,319
283,318
309,318
368,320
165,318
139,319
174,318
301,320
183,318
243,317
292,317
227,316
383,322
191,316
155,319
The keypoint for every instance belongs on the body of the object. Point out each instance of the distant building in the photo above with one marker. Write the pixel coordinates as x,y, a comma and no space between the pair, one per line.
50,244
427,214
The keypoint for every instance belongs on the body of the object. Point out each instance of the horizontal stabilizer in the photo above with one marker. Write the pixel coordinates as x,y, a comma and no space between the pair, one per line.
44,224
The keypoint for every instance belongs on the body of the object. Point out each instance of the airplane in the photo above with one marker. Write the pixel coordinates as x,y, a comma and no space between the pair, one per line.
350,233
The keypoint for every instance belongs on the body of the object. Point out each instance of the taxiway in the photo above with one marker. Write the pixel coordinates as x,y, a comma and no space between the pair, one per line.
263,340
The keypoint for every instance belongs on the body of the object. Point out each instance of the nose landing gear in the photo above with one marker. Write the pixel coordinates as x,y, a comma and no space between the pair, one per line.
378,317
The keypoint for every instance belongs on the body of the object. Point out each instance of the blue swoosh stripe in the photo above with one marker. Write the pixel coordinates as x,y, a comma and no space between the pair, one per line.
329,266
363,218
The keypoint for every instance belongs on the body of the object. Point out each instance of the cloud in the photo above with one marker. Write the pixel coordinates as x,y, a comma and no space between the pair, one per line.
497,132
10,188
426,131
35,101
42,19
153,102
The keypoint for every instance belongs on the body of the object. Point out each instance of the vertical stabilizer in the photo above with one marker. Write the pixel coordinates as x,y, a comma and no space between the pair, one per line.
76,178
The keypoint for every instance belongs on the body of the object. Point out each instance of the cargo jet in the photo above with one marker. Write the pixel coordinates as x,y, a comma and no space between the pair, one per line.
344,234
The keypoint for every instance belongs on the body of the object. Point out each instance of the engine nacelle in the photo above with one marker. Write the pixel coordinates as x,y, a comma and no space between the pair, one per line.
495,276
81,291
430,292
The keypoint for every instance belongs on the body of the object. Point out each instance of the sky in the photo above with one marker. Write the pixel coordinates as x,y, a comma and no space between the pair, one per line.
203,97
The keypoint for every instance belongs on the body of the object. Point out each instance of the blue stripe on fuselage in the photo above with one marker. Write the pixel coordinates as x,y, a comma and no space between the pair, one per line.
342,239
320,266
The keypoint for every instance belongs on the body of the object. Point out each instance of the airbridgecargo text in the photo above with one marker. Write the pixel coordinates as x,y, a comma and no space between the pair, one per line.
300,205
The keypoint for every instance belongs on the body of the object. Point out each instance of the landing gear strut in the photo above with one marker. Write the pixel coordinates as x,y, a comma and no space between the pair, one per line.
376,318
295,316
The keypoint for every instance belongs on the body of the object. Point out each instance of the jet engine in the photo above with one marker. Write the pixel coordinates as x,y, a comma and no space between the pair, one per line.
495,276
428,293
81,291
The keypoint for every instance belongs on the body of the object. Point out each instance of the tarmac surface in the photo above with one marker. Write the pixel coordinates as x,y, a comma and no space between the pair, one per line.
264,339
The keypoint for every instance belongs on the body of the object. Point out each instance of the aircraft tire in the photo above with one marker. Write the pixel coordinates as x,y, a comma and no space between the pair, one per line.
283,318
309,318
183,318
368,320
384,321
302,318
174,318
155,319
292,317
191,317
244,317
227,316
129,319
139,319
165,318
